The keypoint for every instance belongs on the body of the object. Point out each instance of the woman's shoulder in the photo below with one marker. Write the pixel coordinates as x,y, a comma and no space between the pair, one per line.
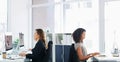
40,42
77,45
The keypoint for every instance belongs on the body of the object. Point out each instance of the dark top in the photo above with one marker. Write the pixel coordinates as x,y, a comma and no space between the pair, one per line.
38,52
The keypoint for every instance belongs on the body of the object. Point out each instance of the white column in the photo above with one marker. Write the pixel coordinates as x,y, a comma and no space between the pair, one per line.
30,23
101,26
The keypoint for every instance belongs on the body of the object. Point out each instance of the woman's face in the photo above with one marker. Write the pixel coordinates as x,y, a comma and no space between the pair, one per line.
36,36
83,36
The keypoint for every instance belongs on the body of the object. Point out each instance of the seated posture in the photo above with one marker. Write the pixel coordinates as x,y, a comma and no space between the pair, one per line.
78,37
39,51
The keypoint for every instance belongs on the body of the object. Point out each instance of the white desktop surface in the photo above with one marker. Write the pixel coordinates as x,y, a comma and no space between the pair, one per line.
14,58
10,60
108,58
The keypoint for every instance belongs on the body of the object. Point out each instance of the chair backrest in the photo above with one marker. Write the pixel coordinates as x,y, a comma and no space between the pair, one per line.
49,51
59,55
48,57
66,52
73,57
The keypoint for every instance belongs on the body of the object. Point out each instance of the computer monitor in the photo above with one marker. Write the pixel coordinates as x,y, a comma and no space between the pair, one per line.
21,38
8,41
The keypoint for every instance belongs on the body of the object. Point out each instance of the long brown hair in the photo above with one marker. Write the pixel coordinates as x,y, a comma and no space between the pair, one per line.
41,34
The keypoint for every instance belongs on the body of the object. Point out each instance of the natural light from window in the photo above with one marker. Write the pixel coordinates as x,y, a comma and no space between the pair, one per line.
112,25
79,14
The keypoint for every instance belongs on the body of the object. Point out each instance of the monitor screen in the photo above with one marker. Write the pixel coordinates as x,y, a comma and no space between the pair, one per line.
21,38
8,42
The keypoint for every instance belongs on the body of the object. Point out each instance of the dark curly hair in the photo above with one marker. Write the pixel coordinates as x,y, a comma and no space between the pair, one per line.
77,34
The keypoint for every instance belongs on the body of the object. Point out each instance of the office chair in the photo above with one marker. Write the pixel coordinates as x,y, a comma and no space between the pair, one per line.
48,57
73,57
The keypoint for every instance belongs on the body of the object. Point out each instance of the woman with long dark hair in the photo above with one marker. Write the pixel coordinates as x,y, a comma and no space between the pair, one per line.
39,51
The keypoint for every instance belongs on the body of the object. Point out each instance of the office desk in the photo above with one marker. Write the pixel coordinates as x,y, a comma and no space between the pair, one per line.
10,60
106,59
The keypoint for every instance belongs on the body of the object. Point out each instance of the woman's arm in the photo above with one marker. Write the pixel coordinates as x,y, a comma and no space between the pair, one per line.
81,57
80,54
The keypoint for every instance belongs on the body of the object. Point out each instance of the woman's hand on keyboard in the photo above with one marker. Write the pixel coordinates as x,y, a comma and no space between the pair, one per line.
29,49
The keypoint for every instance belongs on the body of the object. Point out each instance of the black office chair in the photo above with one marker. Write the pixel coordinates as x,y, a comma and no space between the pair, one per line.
73,57
48,57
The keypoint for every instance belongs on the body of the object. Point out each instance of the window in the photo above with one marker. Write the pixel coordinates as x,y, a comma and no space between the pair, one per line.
72,14
112,30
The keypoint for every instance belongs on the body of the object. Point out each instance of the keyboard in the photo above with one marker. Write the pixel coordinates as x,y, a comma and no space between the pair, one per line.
13,57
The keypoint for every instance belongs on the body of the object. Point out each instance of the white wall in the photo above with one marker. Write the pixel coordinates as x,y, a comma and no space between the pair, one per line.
18,19
43,16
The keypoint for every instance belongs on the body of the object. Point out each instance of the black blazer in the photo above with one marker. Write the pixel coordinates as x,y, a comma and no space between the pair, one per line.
38,52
